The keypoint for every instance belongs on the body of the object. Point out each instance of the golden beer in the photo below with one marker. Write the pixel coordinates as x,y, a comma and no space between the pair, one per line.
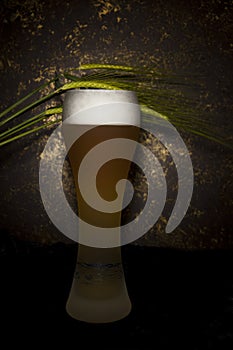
99,293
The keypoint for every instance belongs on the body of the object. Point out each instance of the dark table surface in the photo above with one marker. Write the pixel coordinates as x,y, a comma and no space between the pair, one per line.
180,299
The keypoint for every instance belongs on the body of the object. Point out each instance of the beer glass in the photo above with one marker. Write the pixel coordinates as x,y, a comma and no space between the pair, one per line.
98,293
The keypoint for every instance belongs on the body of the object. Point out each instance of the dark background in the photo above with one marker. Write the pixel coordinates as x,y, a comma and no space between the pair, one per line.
192,40
181,285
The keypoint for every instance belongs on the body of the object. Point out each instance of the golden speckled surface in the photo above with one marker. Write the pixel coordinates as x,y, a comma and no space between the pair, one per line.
41,38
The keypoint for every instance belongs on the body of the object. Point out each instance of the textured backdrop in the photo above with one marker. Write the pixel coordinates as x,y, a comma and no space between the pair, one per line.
194,39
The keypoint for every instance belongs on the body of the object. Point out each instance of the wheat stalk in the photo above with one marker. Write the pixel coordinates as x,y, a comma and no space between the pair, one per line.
156,91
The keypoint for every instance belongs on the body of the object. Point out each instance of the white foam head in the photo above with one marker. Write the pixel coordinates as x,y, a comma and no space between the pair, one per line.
97,107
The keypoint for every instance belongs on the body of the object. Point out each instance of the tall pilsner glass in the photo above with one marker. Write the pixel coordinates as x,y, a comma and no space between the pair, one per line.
98,293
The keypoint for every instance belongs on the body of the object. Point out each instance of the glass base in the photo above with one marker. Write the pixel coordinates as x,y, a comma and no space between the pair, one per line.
94,309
